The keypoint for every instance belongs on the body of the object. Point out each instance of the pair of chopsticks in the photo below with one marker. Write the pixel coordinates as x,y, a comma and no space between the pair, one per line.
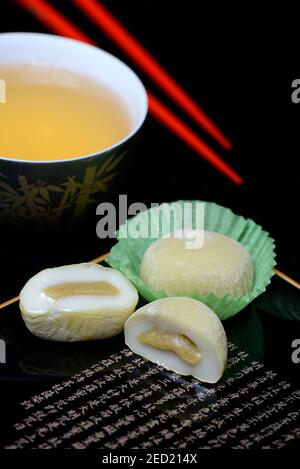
102,258
54,20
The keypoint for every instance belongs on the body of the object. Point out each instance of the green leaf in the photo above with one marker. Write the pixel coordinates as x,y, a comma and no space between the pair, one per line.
103,168
7,188
115,161
110,164
110,177
45,194
23,179
34,192
39,200
101,186
53,188
280,299
246,331
18,202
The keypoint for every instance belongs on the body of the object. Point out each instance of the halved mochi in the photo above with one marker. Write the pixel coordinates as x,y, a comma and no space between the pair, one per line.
77,302
180,334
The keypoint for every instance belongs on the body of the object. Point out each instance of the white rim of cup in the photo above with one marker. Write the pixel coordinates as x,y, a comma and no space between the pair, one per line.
60,39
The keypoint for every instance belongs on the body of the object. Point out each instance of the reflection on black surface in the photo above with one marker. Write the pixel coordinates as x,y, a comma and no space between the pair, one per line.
61,359
40,357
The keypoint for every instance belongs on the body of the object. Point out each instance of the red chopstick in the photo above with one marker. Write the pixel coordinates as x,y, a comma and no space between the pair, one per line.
53,19
58,23
99,15
178,127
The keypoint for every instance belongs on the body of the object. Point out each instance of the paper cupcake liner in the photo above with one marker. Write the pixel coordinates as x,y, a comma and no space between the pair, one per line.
127,254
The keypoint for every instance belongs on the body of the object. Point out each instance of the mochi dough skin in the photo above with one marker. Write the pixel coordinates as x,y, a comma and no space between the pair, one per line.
180,334
77,302
221,266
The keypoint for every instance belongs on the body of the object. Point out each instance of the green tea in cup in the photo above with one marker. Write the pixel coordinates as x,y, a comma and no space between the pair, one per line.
54,114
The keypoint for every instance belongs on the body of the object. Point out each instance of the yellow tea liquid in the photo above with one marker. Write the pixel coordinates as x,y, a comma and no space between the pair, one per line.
53,114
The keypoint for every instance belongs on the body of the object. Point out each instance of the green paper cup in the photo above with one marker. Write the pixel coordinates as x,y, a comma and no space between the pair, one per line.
127,254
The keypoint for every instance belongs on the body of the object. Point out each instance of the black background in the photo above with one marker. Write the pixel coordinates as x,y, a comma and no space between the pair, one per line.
239,67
